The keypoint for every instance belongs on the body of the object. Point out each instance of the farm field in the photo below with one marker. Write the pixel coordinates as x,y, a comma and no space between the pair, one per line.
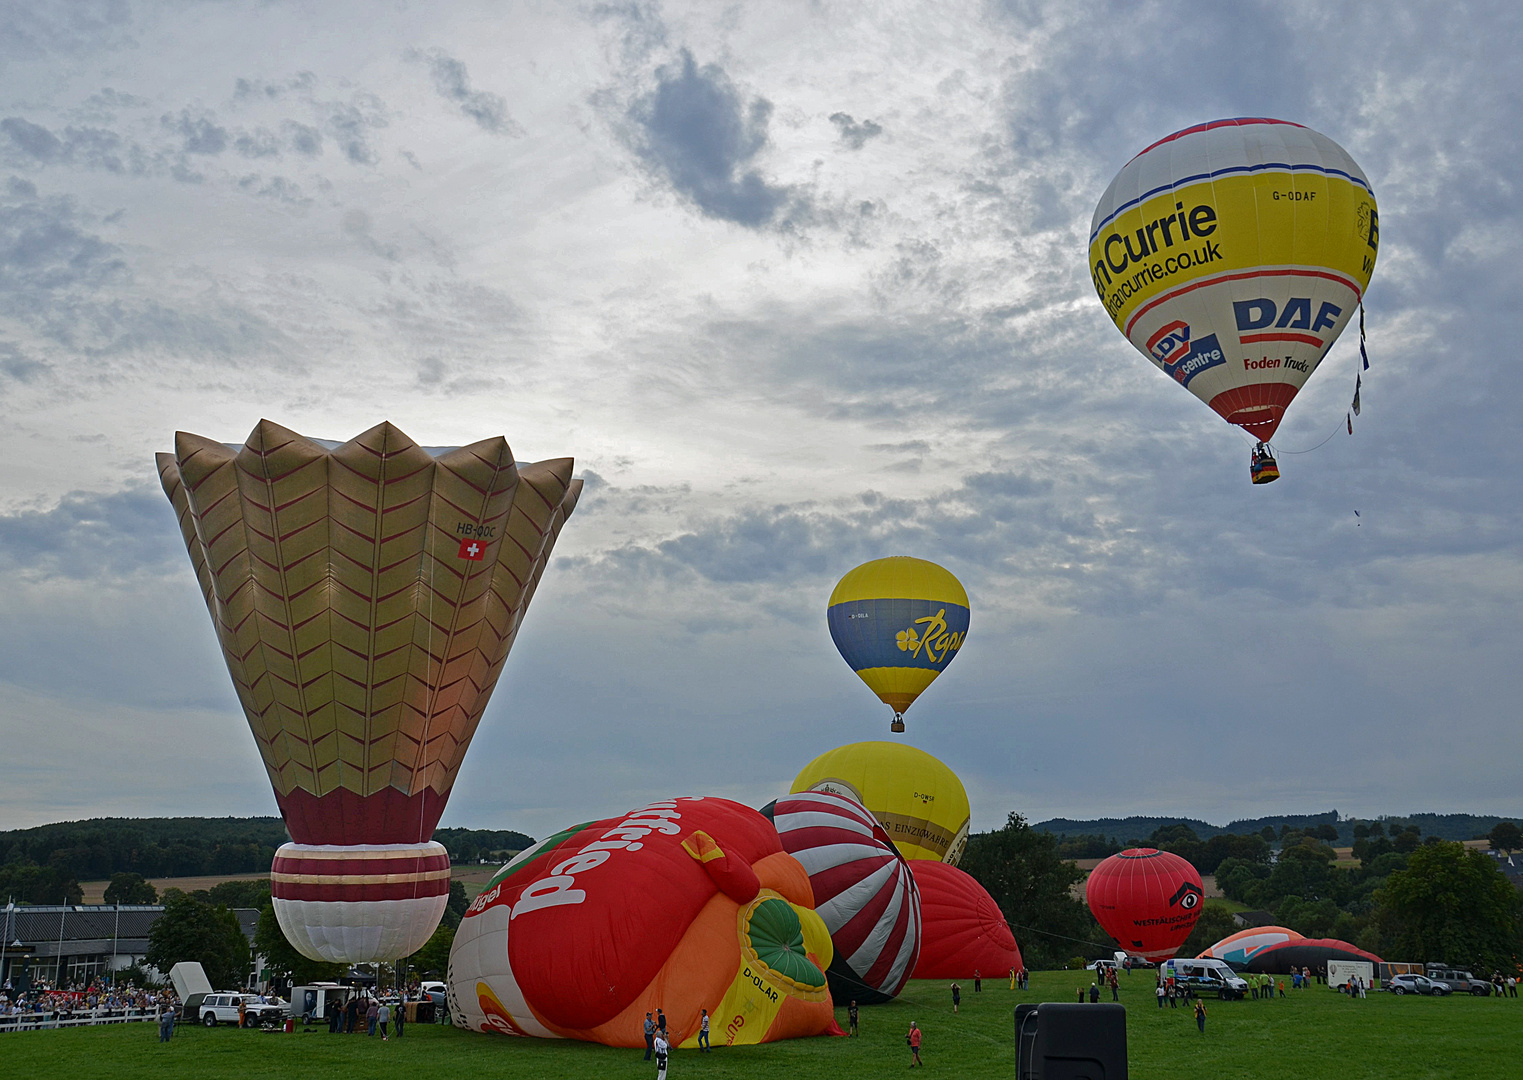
1315,1032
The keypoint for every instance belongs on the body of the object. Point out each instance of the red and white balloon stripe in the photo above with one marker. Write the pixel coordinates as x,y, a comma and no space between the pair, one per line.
863,888
359,903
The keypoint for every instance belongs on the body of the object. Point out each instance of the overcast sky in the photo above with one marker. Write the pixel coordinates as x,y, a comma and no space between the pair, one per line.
798,285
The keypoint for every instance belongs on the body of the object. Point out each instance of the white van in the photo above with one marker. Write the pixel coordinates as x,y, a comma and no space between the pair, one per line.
1205,976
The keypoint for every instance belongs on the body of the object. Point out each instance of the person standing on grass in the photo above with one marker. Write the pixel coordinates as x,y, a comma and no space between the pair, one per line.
703,1033
383,1017
166,1024
956,998
660,1022
851,1018
978,983
1094,993
650,1036
1512,986
372,1017
1158,992
1200,1015
913,1038
662,1048
401,1013
1012,978
1115,987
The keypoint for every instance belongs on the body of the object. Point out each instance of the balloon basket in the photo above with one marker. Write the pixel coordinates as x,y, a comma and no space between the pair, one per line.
1262,468
898,724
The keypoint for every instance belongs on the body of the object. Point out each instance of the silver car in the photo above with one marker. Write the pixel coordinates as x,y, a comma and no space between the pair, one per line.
1416,984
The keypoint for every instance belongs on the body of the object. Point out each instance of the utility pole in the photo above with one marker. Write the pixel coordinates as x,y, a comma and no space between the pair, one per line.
115,934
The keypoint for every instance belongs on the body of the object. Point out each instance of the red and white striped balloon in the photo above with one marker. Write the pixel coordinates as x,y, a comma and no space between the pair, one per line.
863,890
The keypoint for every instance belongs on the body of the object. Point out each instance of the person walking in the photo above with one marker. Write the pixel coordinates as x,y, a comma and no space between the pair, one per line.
1282,987
662,1047
383,1017
1200,1015
978,983
956,998
913,1038
372,1017
1512,986
650,1036
703,1033
851,1018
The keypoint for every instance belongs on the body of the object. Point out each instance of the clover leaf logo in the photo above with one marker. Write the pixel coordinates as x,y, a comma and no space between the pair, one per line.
908,640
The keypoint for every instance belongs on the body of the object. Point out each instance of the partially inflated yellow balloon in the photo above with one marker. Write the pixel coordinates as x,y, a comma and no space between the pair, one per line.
918,800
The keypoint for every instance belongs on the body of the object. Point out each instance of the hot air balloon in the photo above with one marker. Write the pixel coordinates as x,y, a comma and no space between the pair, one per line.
898,622
920,803
1237,949
1148,900
963,932
684,905
365,597
1287,956
863,889
1232,254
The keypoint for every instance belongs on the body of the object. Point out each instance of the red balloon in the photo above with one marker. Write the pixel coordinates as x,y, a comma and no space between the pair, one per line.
962,930
1148,900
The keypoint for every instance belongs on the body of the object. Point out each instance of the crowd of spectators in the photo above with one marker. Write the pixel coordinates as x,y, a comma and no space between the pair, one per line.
100,1002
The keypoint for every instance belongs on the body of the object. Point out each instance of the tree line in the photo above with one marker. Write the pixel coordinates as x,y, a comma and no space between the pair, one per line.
1413,898
44,865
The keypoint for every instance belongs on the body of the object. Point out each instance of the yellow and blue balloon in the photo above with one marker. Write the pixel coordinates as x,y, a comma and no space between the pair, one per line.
898,622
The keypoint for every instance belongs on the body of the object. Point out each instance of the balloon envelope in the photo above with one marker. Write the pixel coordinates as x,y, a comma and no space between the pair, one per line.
963,932
1306,952
1232,254
683,905
1148,900
365,597
898,622
863,889
918,800
1237,949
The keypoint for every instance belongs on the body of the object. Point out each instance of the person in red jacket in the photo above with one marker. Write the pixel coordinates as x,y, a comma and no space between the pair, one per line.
913,1038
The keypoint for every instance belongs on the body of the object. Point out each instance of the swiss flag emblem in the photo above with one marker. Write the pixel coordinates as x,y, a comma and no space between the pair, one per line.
474,550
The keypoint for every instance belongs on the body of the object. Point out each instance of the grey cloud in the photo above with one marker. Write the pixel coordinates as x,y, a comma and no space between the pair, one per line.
305,139
88,146
14,364
32,30
351,124
275,187
45,251
259,143
199,133
695,131
453,82
853,134
357,226
300,84
92,536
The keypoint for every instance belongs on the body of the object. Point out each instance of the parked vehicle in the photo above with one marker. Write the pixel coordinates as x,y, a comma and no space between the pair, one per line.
1101,967
317,1001
1416,984
1205,976
1460,982
223,1009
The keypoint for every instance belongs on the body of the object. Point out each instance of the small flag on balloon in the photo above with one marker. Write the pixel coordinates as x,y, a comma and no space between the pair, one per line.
1357,523
1350,425
474,550
1358,382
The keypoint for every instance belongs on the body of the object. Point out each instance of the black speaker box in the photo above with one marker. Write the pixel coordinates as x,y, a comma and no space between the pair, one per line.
1070,1042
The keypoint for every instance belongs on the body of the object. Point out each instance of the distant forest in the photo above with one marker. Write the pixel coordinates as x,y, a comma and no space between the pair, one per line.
50,860
1105,836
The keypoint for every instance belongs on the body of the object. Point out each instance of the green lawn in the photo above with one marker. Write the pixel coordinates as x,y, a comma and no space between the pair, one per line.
1313,1033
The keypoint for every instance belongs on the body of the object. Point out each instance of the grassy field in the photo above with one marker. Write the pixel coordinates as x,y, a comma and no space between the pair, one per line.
1313,1033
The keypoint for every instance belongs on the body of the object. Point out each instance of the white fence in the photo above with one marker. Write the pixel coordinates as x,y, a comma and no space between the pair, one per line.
38,1021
